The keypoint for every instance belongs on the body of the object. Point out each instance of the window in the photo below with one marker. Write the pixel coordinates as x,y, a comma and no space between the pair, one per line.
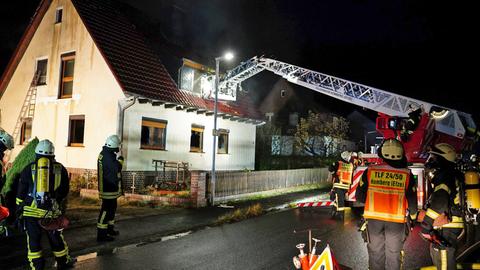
223,141
77,129
58,15
154,134
41,72
283,93
26,130
66,79
196,139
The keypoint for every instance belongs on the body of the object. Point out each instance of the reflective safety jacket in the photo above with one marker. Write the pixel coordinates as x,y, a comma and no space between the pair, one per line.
387,193
42,187
345,172
445,199
109,173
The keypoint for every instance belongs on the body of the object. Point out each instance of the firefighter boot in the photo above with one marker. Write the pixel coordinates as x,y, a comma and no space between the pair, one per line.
102,236
111,231
65,262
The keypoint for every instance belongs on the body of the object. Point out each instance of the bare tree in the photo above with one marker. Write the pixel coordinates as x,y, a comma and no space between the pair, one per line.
319,134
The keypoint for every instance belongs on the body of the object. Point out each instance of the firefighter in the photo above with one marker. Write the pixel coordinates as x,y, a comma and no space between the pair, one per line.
6,143
43,186
385,189
442,220
342,172
109,169
414,117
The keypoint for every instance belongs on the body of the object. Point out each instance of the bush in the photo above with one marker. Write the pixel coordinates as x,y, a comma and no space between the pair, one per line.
25,157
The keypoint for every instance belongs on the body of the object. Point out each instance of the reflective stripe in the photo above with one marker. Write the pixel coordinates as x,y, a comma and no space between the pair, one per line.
432,214
442,186
443,259
102,218
18,201
341,186
60,253
456,223
384,216
31,255
100,174
57,170
111,222
102,226
34,255
109,195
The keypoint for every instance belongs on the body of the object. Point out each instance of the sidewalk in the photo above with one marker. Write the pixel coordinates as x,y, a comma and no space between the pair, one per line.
81,238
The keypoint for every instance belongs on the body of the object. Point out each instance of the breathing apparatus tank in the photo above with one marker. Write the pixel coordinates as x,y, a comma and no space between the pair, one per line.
42,183
472,195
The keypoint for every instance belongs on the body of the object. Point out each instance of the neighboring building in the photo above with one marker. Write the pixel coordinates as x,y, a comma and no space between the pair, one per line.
363,130
98,76
283,107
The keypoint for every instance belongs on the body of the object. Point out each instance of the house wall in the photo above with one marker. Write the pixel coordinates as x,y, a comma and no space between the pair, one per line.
241,145
95,90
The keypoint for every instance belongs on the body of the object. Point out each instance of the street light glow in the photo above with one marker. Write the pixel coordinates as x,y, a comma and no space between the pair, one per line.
228,56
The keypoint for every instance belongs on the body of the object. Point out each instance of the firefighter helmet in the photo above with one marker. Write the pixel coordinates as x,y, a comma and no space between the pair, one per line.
113,141
45,148
392,149
444,150
6,139
345,155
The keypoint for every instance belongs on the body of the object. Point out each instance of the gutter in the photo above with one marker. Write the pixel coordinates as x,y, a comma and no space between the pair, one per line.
121,123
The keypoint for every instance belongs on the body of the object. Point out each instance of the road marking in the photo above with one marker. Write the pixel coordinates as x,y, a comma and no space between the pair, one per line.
175,236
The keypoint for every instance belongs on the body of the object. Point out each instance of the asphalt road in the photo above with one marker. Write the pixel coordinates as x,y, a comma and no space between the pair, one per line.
267,242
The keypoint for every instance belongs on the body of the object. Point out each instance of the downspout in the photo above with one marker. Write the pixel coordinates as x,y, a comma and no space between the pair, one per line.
121,124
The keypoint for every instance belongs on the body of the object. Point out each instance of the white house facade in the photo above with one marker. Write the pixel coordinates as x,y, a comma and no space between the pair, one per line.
96,77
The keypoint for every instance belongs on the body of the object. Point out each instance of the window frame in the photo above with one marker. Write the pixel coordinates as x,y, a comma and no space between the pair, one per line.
220,133
74,118
201,130
59,11
46,71
154,123
23,140
64,58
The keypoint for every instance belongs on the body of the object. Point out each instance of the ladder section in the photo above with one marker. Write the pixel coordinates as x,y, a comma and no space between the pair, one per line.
28,107
359,94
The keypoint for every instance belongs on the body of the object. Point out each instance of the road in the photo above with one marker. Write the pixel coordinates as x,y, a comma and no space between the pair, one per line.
267,242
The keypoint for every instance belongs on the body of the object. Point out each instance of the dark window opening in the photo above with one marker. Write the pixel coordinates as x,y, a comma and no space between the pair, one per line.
26,131
283,93
196,139
66,80
41,72
223,141
154,134
58,15
76,131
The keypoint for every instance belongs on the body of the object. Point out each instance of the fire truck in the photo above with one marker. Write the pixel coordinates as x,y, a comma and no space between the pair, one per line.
436,123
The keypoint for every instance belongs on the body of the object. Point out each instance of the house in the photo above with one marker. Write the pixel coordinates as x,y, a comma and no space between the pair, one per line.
90,73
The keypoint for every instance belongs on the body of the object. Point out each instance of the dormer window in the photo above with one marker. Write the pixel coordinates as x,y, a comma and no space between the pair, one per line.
58,15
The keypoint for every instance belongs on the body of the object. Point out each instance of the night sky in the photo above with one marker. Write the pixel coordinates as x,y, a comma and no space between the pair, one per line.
422,49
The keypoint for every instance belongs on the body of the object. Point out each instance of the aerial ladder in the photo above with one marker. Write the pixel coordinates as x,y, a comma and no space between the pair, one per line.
437,124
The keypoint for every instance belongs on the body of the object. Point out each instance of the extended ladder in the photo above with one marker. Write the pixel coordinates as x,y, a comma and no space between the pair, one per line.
453,122
28,108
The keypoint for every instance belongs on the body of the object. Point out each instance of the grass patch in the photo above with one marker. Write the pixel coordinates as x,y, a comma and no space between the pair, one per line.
241,214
